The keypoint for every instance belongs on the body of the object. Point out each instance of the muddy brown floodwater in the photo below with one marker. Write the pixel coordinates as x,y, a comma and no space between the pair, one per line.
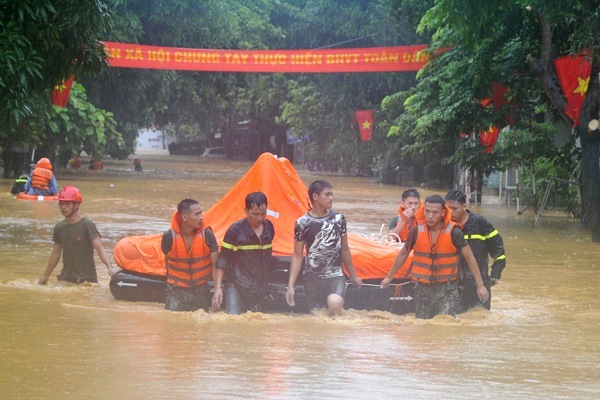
539,340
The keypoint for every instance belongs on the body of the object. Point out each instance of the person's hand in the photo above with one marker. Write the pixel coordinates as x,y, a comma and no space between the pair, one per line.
289,296
385,282
113,269
42,280
407,214
356,281
217,298
482,293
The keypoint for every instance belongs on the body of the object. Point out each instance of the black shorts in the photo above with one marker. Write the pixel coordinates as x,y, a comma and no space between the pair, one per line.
318,289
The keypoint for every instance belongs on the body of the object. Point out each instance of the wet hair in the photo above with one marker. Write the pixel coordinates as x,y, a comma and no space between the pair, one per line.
456,195
410,193
256,199
317,187
435,199
185,205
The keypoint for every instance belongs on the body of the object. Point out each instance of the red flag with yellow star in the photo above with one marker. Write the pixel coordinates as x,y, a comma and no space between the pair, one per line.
574,76
489,138
365,120
60,94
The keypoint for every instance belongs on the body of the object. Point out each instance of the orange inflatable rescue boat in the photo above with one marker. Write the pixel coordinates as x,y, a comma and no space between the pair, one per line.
36,197
142,261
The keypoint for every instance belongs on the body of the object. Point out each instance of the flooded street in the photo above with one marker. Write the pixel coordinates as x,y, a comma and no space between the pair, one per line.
539,340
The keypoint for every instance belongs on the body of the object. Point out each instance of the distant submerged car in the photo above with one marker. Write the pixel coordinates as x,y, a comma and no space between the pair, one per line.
214,152
196,148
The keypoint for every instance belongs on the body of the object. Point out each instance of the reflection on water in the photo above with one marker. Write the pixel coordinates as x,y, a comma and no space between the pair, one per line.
539,340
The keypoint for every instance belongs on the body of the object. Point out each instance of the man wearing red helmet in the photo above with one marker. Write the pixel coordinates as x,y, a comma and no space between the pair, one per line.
42,181
76,238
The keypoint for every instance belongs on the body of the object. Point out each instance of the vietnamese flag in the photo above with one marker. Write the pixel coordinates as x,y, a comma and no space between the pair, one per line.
365,120
574,76
60,94
489,138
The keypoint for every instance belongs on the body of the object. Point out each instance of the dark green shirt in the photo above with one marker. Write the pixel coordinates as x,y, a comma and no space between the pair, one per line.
78,251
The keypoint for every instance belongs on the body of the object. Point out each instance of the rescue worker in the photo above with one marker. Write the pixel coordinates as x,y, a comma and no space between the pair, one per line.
75,238
191,255
484,240
19,185
245,259
137,165
436,242
401,223
42,181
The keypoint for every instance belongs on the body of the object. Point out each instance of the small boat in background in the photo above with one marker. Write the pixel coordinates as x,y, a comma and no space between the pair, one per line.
36,197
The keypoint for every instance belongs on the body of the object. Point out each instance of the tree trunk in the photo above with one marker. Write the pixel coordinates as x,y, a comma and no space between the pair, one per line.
590,157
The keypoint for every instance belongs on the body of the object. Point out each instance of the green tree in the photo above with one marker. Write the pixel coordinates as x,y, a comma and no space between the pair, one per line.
43,42
513,42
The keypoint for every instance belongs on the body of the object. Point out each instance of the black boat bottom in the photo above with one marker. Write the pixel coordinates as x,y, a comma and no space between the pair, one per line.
398,298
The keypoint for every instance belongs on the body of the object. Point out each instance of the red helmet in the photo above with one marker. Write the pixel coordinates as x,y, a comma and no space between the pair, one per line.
70,193
44,163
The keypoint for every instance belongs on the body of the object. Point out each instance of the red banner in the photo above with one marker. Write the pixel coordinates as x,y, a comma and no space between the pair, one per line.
574,76
375,59
60,94
365,120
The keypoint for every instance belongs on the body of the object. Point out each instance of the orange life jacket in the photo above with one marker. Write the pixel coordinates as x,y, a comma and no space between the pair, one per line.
188,269
404,232
40,178
435,262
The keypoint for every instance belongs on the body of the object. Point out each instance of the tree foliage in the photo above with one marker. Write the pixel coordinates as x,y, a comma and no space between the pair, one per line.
43,42
513,42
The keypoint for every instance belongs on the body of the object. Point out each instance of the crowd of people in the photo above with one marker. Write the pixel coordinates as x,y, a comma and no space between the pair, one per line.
447,244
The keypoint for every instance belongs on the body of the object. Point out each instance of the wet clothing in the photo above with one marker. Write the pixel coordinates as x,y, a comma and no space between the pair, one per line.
436,298
485,241
42,182
467,289
246,260
323,241
239,300
187,270
19,185
187,299
78,250
323,274
318,289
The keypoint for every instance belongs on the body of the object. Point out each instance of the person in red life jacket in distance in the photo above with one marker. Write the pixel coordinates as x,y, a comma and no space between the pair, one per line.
137,165
485,241
75,162
324,234
436,242
245,259
75,238
401,223
191,255
42,181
